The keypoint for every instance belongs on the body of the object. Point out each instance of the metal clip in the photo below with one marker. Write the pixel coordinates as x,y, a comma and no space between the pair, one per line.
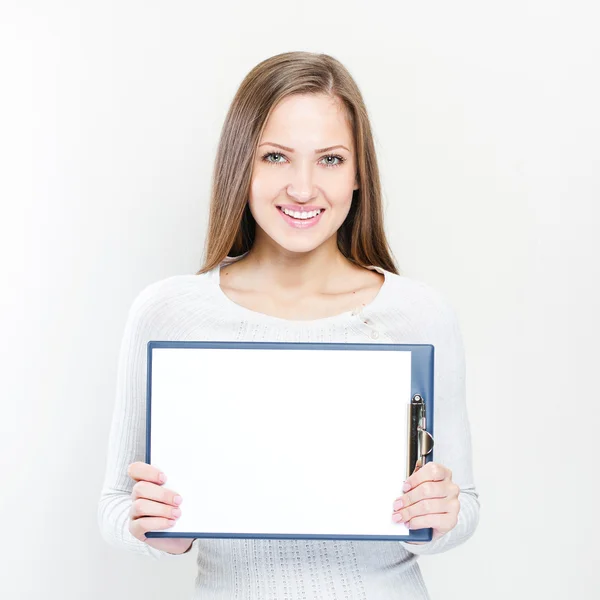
420,441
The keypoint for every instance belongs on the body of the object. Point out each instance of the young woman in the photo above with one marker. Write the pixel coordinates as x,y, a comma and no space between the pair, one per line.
295,251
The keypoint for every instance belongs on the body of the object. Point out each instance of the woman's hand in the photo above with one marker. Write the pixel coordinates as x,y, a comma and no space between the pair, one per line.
154,507
430,500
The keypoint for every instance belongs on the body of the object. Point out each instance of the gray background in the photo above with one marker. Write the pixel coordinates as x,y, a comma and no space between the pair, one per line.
487,127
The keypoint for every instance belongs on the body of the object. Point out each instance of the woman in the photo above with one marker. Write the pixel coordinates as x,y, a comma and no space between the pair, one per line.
295,251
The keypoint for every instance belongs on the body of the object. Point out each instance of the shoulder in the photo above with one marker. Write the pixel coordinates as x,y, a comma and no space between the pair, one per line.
174,292
412,291
420,303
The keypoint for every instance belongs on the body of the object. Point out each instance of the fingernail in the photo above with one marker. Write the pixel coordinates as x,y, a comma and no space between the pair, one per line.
398,504
176,512
406,487
162,477
178,499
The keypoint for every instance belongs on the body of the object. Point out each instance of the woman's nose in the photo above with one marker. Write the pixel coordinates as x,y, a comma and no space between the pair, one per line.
301,195
301,187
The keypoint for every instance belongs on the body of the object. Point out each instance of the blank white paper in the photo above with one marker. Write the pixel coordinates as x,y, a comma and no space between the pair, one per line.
274,441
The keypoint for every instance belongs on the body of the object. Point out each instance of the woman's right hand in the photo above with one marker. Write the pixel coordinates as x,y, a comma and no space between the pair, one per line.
154,507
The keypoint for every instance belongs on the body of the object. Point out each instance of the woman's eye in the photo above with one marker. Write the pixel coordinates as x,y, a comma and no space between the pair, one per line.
272,154
328,163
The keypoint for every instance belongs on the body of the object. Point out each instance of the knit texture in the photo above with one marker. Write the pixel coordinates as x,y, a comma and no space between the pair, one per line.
195,308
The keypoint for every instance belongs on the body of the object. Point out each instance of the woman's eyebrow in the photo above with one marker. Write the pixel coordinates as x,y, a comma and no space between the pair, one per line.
292,150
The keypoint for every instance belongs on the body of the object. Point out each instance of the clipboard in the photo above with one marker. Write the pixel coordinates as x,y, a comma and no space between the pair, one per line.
289,440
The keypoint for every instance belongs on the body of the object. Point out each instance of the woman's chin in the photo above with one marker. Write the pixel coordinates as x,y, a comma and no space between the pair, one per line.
299,248
296,244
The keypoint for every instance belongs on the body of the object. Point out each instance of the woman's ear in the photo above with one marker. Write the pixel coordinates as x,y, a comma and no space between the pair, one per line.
356,186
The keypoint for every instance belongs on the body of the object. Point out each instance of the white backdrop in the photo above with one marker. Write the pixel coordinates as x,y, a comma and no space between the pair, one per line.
487,128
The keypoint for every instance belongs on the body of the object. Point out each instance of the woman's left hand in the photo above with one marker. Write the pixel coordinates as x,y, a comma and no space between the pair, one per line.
430,500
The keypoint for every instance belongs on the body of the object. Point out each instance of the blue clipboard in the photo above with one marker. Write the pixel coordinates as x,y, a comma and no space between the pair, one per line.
241,430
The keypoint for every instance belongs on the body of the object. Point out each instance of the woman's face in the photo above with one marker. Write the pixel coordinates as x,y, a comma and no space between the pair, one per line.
304,163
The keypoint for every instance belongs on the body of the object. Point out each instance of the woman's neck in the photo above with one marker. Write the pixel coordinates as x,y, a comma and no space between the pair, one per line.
305,272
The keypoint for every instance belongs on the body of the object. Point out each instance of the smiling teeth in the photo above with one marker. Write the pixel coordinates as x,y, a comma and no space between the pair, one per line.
301,215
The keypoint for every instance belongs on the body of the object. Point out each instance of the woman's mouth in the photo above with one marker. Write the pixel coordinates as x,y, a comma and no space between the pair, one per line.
301,219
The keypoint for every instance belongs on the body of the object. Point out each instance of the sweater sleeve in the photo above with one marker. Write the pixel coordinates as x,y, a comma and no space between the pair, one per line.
451,428
127,438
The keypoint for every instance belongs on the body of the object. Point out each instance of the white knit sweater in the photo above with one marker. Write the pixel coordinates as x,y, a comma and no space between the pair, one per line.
194,307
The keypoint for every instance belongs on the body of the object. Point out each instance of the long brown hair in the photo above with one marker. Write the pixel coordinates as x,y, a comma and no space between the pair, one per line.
231,227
